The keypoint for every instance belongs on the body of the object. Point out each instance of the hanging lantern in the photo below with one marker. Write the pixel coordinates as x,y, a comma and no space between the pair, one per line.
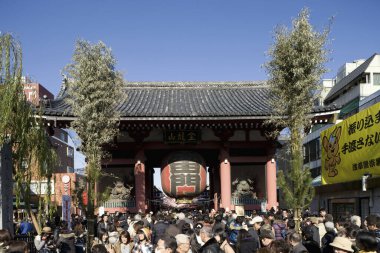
183,175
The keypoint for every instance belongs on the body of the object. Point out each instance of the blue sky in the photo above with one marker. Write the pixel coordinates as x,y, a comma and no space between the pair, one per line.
180,40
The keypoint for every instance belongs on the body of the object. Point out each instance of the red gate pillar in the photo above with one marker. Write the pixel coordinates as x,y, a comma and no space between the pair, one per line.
225,180
271,186
140,182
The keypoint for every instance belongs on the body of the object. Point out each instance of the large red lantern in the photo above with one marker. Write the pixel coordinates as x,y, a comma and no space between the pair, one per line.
183,175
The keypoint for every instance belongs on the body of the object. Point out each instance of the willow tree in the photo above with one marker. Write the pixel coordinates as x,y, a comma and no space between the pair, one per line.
32,154
94,87
296,65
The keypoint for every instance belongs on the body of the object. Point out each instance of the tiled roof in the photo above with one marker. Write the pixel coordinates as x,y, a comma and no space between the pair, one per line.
349,78
179,100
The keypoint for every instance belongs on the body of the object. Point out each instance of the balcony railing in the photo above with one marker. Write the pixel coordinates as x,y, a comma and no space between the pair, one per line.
119,203
246,201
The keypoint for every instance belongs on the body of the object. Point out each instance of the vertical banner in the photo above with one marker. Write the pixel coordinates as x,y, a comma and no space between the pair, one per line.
66,209
351,148
66,199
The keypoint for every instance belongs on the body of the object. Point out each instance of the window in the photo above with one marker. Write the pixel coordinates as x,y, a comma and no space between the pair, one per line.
365,78
306,153
63,136
376,78
70,152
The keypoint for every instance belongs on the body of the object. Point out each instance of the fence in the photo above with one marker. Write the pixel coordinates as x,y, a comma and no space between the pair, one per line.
246,201
119,203
29,239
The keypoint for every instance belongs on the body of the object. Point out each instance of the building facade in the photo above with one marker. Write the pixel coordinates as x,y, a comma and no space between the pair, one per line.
354,89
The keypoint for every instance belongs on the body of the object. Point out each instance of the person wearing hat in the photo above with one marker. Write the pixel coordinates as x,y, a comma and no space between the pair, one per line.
342,245
66,239
266,237
328,238
315,228
113,242
254,226
45,241
143,244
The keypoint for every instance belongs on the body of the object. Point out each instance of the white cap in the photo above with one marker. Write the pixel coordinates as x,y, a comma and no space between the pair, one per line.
256,219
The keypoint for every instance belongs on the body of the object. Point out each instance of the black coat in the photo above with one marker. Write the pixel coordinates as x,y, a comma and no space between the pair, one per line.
326,240
211,246
247,245
158,230
299,248
255,238
312,246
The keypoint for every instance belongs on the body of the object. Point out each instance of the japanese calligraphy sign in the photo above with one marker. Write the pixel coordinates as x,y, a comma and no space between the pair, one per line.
352,148
183,175
182,136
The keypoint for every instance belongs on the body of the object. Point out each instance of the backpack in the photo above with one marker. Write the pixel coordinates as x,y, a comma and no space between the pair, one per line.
283,233
232,238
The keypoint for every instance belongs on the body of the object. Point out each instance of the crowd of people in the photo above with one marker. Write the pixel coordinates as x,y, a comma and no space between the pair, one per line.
208,232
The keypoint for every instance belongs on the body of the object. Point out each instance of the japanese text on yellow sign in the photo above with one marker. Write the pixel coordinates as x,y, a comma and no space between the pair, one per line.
351,148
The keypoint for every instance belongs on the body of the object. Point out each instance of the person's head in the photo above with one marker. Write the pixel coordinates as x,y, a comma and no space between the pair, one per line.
197,228
5,237
356,220
372,222
329,226
125,237
18,247
166,244
143,234
183,243
322,212
307,233
295,238
99,248
103,235
342,245
239,219
220,235
218,218
206,233
105,217
266,237
291,224
113,237
279,246
243,234
138,225
329,217
256,222
366,241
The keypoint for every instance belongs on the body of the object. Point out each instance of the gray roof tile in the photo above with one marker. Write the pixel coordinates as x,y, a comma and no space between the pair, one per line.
187,99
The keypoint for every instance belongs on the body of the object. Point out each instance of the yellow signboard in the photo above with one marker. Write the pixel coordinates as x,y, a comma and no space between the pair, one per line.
351,148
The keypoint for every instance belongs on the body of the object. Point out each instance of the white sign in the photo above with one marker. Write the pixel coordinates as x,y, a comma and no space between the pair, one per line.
41,187
263,207
101,210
